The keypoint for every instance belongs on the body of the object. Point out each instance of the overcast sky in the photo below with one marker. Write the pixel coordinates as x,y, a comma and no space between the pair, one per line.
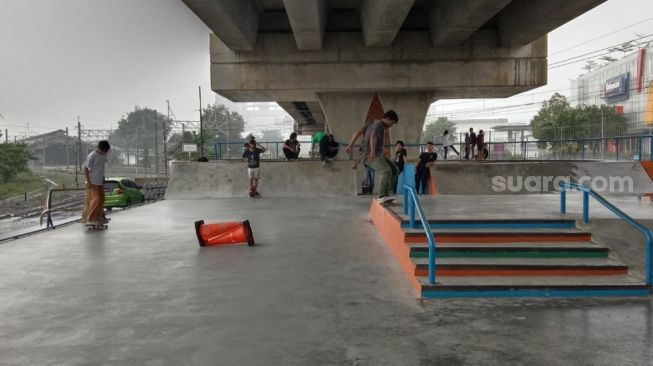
98,59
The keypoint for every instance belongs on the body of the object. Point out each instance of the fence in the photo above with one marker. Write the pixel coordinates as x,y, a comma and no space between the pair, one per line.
612,148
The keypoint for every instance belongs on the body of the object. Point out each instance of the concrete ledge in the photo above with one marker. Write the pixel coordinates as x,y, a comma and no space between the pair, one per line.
228,179
476,178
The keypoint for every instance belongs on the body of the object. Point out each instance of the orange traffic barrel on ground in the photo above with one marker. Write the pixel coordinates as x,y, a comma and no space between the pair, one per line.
224,233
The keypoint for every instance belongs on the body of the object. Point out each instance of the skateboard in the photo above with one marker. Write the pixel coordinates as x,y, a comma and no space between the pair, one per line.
96,227
390,202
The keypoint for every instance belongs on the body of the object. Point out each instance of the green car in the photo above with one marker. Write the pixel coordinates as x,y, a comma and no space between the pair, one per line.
121,192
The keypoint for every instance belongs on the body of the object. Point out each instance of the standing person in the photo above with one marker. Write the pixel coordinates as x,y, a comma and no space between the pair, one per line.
94,173
373,156
316,140
472,142
480,145
467,145
253,157
448,144
400,159
423,169
400,156
291,148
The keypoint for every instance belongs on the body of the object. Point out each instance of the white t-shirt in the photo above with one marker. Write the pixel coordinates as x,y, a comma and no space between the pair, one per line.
445,140
95,165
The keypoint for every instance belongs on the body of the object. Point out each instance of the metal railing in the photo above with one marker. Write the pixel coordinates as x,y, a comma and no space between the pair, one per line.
48,209
410,205
631,148
648,235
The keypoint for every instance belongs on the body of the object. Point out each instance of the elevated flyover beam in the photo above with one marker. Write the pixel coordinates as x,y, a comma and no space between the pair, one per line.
234,21
382,19
453,22
524,21
307,19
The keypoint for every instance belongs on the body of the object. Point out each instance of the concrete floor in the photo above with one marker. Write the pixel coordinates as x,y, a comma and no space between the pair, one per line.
320,289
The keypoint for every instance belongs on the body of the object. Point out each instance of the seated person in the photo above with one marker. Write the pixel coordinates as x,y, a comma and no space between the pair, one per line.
328,148
291,147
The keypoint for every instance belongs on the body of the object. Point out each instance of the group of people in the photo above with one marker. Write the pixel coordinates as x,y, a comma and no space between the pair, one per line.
328,150
326,143
373,155
475,145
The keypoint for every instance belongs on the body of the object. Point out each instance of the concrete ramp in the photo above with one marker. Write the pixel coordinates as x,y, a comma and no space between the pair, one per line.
528,177
228,179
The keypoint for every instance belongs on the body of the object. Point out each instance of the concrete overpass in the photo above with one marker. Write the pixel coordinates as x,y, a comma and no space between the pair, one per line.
323,60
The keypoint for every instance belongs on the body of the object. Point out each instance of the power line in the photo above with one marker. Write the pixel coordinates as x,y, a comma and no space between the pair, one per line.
602,36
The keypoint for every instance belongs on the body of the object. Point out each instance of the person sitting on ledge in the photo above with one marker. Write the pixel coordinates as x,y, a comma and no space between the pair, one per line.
328,149
291,148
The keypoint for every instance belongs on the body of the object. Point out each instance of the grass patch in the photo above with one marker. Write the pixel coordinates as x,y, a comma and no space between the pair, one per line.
29,181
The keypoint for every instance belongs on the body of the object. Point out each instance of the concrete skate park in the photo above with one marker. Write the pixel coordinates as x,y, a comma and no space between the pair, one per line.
334,278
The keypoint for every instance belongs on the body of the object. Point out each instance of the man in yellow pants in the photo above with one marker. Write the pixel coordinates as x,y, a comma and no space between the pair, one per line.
94,173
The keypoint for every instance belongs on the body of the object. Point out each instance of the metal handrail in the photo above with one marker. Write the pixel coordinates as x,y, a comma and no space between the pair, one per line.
587,191
47,207
410,206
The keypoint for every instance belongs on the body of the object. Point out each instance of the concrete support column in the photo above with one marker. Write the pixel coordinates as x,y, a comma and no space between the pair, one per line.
412,109
345,113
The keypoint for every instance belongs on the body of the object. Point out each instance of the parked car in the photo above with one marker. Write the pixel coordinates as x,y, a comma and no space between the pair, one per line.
122,192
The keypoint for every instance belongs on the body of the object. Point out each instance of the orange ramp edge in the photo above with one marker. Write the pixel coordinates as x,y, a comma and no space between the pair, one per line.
389,227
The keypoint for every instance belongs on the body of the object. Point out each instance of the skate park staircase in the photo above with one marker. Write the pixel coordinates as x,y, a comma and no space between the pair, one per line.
507,257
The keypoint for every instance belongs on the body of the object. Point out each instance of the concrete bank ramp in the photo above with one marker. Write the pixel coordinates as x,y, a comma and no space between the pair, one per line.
528,177
228,179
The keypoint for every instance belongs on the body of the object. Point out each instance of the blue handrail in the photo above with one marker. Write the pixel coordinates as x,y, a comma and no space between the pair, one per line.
587,191
409,206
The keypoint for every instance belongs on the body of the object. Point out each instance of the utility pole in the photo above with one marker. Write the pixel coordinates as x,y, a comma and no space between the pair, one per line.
6,136
602,137
67,157
78,168
156,146
165,140
201,125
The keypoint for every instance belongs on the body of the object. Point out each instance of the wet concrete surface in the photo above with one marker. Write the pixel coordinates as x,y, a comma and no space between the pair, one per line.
320,289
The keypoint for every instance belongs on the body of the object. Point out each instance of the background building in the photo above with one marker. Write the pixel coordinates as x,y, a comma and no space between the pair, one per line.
626,84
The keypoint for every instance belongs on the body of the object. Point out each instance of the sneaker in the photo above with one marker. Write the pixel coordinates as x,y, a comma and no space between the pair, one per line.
385,199
251,194
257,195
323,162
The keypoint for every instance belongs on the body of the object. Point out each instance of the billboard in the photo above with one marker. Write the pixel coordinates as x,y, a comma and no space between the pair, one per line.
616,88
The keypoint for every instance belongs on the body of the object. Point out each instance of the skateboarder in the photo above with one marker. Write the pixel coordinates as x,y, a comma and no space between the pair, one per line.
253,157
448,144
94,173
373,156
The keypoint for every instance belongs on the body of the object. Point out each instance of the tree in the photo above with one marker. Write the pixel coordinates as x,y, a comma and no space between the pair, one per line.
433,131
590,65
13,160
142,129
271,136
222,124
557,120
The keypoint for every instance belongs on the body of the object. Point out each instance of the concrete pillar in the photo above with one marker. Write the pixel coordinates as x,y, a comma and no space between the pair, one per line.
234,21
307,19
345,113
381,20
412,109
